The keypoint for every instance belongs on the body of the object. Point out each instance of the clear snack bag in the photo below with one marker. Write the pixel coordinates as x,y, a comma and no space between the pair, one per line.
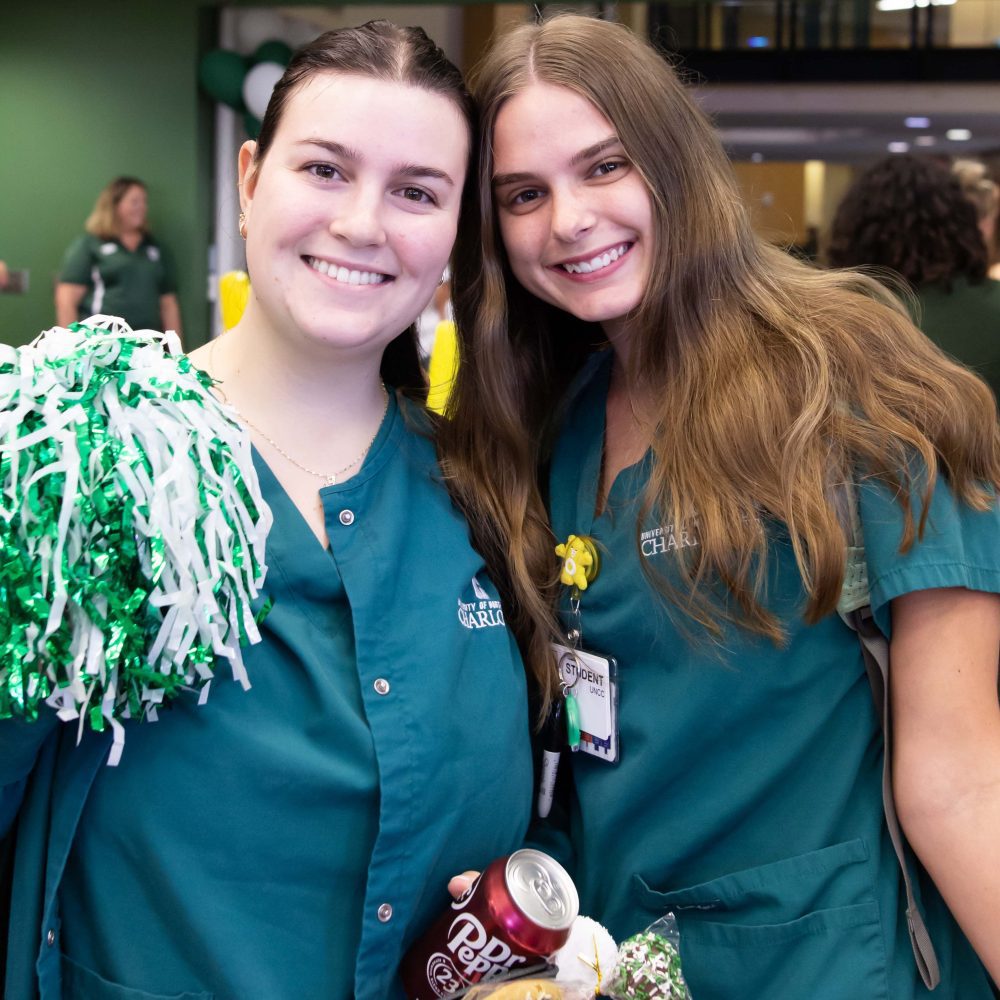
649,965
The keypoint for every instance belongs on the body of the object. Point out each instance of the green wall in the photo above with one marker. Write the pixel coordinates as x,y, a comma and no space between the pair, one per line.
89,91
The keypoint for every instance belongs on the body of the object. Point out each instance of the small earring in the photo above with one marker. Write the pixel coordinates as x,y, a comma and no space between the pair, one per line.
243,225
443,279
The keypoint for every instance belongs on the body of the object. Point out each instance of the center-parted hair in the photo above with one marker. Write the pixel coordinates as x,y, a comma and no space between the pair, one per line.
378,49
771,381
384,51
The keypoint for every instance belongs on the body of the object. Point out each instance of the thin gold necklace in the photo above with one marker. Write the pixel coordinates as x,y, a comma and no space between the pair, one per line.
329,478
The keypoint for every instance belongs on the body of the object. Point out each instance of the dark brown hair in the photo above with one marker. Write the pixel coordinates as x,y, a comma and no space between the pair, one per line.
908,214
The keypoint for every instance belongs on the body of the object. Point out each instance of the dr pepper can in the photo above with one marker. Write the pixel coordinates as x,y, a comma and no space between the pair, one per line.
517,913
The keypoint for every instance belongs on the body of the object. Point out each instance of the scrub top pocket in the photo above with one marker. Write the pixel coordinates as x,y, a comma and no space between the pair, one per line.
781,931
81,983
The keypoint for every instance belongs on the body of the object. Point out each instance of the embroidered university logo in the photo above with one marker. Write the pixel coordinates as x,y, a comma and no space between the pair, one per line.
481,611
667,537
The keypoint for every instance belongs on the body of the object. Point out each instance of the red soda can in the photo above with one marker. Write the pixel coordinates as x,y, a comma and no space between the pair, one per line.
517,913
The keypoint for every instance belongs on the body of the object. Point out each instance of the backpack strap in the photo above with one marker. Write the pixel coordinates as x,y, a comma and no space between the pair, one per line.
855,609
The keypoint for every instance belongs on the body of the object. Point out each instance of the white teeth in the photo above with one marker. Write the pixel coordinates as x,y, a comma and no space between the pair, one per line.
589,266
348,277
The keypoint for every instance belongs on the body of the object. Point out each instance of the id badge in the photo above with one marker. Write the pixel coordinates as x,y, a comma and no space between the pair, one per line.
593,680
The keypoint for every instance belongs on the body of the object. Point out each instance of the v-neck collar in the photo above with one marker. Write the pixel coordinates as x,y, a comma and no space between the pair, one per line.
582,446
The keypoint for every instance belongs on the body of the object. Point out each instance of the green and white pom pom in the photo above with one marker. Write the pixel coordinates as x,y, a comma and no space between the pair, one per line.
649,968
132,527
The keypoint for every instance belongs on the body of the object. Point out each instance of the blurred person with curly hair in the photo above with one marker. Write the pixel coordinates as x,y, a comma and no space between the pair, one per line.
909,215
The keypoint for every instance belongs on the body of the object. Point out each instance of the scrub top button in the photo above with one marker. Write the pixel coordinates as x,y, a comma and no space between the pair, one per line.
50,938
382,685
347,517
385,913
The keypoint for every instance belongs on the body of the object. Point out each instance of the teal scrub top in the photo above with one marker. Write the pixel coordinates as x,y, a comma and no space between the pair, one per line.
747,797
119,281
291,840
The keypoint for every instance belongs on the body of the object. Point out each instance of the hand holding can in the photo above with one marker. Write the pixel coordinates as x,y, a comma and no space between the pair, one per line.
516,914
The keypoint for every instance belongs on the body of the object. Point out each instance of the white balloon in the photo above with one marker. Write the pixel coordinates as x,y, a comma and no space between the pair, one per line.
257,25
258,84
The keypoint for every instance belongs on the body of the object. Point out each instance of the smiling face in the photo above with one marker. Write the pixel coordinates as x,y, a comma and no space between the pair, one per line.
352,213
575,215
130,211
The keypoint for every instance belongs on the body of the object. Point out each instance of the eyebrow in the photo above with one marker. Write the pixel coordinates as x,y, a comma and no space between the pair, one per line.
402,169
501,180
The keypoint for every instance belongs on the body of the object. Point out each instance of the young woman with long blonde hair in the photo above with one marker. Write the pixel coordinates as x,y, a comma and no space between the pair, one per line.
715,395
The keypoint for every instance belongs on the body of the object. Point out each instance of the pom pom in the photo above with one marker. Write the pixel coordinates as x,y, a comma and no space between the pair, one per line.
588,956
132,527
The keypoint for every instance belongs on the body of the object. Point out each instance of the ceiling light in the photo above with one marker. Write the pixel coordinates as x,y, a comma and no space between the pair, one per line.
910,4
917,122
756,157
958,134
924,140
899,147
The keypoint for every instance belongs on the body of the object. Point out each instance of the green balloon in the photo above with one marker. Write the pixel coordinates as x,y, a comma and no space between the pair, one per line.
273,51
252,124
220,74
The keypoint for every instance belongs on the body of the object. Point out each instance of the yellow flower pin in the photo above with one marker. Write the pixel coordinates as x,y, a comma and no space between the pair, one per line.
580,561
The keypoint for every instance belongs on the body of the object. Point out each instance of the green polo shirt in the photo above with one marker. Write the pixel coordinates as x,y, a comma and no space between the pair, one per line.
747,798
292,840
120,282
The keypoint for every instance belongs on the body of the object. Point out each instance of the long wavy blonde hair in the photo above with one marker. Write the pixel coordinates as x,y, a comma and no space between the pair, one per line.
772,380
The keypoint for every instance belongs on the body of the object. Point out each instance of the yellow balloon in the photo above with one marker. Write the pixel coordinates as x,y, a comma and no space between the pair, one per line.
442,367
234,289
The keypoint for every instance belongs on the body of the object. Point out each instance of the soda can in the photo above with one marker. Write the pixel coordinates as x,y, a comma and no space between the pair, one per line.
517,913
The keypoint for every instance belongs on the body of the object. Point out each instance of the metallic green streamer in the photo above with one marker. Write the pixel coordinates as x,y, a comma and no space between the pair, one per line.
90,575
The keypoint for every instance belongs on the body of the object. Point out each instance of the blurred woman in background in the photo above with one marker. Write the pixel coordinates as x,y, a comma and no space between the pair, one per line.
117,268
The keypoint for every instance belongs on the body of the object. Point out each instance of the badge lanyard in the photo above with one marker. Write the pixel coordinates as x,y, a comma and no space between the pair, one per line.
585,717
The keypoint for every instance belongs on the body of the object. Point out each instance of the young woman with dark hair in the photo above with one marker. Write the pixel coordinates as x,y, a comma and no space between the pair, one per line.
291,840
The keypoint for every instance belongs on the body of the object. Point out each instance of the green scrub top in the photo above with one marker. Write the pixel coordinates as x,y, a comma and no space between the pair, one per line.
292,840
965,321
747,797
120,282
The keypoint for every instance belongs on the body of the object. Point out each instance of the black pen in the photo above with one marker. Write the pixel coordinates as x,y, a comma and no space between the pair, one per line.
553,739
